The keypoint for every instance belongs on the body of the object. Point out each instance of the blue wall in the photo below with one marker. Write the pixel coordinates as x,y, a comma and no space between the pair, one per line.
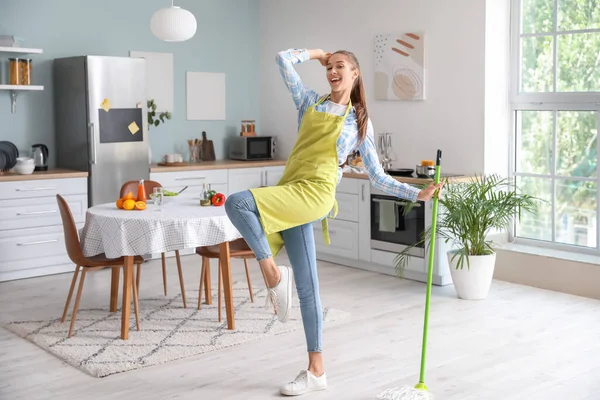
227,40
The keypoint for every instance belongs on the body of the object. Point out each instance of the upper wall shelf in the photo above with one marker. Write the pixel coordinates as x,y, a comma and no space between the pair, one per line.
21,87
22,50
14,89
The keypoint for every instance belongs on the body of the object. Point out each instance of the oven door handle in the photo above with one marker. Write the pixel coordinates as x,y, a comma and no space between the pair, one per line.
401,203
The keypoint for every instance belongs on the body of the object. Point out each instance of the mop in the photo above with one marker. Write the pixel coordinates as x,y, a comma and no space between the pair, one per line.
420,390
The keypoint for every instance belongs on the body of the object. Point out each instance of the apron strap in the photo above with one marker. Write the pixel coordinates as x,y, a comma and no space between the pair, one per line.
325,228
325,224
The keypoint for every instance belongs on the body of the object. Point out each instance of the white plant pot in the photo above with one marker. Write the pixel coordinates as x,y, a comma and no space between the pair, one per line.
472,283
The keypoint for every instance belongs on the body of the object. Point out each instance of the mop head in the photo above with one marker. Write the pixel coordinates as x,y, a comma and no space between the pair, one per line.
406,393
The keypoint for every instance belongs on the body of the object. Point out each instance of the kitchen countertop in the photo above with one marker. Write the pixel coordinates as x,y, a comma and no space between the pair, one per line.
410,179
51,173
219,164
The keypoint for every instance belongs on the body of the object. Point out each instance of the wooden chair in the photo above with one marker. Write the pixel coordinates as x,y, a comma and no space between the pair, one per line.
238,249
86,263
132,186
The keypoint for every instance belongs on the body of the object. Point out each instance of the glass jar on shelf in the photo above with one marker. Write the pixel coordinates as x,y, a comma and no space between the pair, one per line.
25,69
14,71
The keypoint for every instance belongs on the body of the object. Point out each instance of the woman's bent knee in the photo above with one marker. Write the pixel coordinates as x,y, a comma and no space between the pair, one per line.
237,201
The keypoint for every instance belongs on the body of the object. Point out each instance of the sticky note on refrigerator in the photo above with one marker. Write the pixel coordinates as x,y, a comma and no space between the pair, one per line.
133,128
105,105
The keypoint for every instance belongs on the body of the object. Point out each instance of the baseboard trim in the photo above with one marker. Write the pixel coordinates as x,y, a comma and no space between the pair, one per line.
382,269
547,272
36,272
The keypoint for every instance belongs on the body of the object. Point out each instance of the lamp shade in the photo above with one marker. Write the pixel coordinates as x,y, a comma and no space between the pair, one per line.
173,24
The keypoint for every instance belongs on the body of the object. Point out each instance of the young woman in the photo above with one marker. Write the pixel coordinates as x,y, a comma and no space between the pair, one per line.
330,128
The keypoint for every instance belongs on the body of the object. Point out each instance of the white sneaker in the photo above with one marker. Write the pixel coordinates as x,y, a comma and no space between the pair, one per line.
305,382
281,295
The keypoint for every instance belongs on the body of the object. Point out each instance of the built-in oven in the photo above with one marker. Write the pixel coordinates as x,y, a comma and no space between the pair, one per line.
394,227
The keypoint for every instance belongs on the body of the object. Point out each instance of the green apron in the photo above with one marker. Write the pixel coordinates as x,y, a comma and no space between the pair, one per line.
306,192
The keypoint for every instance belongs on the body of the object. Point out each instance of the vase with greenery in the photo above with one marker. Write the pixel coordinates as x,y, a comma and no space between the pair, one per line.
469,212
154,120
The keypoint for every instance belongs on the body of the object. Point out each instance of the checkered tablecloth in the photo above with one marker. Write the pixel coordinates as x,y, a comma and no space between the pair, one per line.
180,224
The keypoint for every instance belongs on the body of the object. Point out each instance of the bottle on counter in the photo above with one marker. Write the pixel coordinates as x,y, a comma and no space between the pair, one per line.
141,195
205,196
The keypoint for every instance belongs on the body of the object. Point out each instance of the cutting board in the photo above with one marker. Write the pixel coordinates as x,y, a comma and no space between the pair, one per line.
208,149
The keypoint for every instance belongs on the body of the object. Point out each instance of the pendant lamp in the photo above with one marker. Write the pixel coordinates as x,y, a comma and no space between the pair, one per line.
173,24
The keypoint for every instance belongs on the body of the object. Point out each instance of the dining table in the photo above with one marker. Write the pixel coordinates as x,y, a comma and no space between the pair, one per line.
177,224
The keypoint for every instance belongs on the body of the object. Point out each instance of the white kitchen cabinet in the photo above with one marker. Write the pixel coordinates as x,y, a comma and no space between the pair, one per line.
343,236
31,231
347,207
344,229
272,175
241,179
348,185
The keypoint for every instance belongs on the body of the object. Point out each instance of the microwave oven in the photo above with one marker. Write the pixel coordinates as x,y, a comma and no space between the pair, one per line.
252,148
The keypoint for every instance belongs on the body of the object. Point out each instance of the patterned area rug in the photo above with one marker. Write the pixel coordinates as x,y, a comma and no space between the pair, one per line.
167,331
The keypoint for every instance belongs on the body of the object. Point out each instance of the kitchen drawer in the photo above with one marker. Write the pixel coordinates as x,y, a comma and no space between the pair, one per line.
194,191
42,188
347,207
187,178
194,180
32,248
348,185
344,238
36,212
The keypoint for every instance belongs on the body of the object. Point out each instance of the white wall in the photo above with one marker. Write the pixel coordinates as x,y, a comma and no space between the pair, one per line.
452,116
497,87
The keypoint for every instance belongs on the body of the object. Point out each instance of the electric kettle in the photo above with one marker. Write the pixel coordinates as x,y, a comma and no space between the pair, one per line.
39,153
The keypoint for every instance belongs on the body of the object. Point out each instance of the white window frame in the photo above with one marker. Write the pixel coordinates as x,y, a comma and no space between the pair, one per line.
551,101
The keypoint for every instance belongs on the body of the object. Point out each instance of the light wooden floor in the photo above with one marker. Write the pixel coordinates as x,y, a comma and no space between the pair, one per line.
521,343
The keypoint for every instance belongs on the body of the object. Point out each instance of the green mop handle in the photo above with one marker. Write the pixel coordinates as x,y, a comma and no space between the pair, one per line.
430,269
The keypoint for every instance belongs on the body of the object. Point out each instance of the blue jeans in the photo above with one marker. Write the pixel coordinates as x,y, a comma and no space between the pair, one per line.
300,245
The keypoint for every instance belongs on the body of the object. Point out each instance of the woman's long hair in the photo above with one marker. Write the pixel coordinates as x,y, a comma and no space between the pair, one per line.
358,98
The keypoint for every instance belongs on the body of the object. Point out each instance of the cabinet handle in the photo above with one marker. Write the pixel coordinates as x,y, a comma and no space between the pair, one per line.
38,242
400,203
362,188
266,178
191,179
92,143
36,189
38,212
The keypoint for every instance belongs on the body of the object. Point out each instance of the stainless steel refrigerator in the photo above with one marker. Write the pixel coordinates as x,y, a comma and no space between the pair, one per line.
100,118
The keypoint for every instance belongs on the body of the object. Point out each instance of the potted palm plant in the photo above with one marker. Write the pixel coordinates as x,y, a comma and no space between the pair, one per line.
469,212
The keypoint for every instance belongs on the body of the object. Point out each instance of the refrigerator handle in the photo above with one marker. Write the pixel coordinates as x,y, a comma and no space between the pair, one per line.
92,150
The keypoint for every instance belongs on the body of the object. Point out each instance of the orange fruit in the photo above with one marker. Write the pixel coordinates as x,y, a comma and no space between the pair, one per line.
120,203
140,205
129,196
129,204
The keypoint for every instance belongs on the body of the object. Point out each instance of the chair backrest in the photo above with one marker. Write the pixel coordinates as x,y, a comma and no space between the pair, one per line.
132,186
70,230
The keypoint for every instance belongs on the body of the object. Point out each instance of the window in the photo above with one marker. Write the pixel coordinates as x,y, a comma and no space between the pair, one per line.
555,100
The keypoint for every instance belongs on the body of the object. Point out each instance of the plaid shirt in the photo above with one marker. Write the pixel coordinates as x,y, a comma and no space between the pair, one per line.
305,97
